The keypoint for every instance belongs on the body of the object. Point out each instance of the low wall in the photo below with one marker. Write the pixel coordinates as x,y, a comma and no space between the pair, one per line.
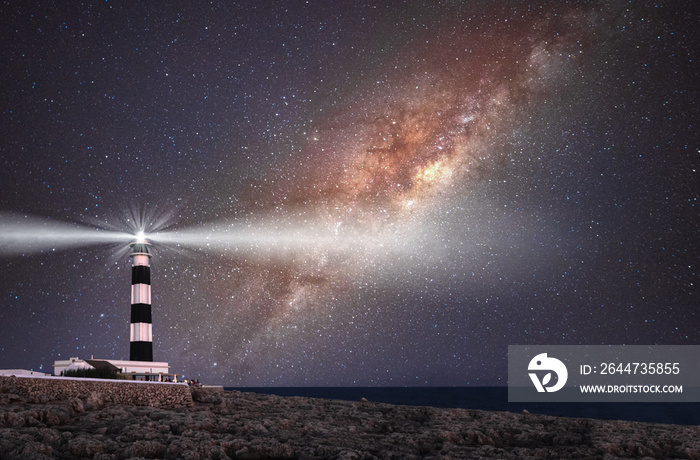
102,392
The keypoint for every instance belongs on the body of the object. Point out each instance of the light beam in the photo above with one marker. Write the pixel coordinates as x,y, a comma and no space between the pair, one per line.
21,234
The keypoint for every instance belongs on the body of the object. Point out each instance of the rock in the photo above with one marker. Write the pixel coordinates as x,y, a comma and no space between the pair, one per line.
147,449
9,398
56,416
206,395
77,406
36,450
94,401
41,398
85,446
11,419
349,454
248,425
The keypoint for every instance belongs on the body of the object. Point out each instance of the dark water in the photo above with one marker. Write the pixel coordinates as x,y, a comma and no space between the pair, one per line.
496,399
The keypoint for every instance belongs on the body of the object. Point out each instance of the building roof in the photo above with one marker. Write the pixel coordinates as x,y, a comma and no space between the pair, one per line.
102,364
20,372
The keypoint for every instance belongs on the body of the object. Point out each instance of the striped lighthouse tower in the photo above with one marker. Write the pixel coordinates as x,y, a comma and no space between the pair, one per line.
141,346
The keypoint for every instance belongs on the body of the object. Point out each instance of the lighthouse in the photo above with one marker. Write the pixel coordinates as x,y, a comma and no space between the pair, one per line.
140,365
141,337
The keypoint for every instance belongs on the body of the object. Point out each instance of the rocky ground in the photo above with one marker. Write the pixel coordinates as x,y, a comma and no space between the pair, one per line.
247,425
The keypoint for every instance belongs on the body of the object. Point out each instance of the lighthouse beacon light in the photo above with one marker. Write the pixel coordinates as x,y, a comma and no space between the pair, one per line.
140,236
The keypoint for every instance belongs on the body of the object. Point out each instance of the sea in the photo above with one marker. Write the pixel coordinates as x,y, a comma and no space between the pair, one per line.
495,399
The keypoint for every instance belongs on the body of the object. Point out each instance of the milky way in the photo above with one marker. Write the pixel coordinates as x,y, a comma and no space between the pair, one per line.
350,194
387,168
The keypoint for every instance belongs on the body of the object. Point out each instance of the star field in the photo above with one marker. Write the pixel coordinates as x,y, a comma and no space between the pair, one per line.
350,193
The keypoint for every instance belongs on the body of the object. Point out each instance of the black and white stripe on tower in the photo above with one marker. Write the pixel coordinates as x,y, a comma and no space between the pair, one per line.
141,346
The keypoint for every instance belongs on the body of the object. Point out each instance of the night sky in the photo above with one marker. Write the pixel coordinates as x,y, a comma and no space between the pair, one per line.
348,193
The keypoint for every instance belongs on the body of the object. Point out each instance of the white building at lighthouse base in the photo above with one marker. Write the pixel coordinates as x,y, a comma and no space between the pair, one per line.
137,370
